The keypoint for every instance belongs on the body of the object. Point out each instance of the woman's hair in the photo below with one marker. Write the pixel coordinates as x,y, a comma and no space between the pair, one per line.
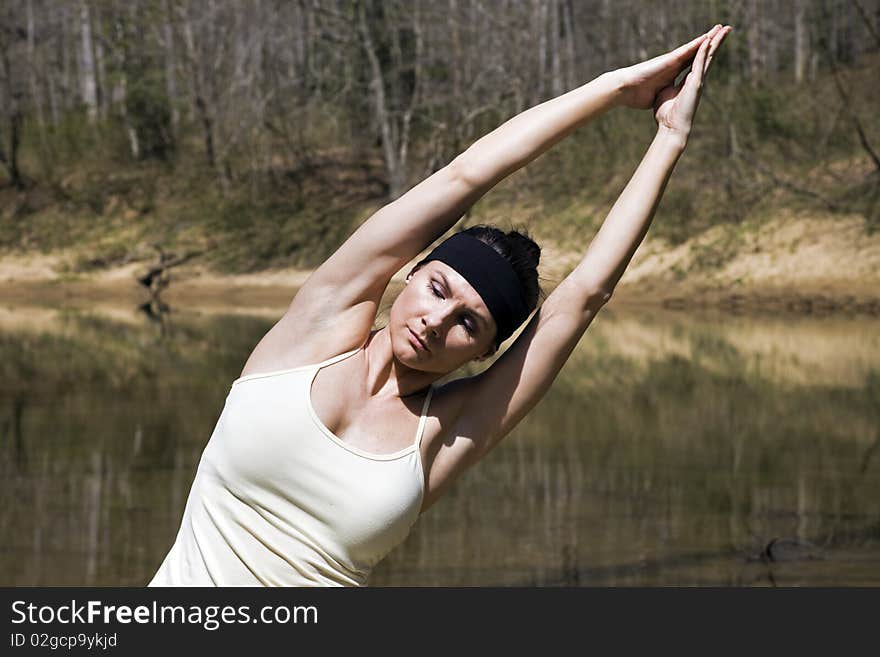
520,251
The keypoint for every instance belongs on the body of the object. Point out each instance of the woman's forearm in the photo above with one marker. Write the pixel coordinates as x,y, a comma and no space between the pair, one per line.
629,219
527,135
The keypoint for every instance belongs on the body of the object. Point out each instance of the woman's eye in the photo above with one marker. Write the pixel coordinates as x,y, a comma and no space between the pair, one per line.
435,291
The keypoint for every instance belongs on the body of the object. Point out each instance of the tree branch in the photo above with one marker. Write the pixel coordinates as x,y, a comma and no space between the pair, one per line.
867,20
863,138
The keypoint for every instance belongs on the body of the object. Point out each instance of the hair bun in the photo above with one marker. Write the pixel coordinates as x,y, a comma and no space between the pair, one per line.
531,252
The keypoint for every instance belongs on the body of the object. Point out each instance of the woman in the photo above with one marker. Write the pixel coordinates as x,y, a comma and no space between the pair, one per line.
335,438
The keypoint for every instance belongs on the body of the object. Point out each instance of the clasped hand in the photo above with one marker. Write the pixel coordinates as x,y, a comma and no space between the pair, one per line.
651,84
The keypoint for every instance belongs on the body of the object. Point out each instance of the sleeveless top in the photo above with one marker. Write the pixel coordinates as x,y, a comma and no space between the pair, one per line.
279,500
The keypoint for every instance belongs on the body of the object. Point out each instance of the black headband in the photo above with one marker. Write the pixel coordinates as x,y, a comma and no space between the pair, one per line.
491,275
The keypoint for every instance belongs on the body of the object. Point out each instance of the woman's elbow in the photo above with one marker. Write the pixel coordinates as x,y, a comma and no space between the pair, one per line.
462,171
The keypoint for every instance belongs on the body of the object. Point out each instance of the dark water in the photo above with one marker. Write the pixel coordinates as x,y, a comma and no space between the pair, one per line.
673,449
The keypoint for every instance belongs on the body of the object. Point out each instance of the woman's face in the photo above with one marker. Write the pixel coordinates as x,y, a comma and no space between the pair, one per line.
439,322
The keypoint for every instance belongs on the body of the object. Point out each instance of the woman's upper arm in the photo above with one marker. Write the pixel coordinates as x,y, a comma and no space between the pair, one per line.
335,308
480,410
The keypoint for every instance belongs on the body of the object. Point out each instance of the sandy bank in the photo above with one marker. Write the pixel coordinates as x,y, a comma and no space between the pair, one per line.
792,264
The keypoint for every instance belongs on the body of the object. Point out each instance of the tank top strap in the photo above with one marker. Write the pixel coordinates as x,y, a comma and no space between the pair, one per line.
424,416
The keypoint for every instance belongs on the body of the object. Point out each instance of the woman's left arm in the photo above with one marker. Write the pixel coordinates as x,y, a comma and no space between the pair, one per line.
502,395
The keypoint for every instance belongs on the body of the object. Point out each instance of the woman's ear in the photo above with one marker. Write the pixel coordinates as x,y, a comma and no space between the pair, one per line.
412,272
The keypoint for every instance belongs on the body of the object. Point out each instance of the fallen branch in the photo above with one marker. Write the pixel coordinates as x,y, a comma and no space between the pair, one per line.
156,279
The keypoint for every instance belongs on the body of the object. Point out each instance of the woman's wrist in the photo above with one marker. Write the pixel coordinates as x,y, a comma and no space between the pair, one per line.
675,139
615,81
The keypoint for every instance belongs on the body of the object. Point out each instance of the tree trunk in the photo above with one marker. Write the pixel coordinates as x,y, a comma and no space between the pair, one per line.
403,149
14,142
53,98
605,22
572,68
103,99
756,47
832,28
801,50
36,96
13,97
380,105
68,22
541,27
555,54
170,67
207,130
457,61
203,114
88,86
640,38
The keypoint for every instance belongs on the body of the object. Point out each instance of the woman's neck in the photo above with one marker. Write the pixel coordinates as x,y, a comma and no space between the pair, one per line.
386,376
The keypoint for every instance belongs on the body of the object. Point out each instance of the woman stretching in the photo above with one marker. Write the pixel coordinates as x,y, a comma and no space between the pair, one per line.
335,437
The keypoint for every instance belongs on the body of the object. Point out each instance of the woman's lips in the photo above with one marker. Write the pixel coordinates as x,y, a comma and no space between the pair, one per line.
414,340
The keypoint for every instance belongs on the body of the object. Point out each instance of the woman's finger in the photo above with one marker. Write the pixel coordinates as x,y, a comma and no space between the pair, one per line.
715,30
695,77
714,45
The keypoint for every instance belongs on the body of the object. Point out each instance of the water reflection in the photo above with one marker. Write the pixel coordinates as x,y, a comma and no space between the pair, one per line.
673,449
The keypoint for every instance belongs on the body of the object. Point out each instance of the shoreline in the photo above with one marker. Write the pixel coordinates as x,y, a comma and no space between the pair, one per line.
790,265
275,289
818,298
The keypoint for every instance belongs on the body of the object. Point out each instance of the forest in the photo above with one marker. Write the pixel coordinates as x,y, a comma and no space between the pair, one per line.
253,134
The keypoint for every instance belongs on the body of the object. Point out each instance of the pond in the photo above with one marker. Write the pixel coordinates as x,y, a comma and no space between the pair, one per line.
674,449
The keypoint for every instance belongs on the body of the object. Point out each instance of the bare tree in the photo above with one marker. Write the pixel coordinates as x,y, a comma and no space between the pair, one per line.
170,64
401,76
88,83
36,96
197,62
756,44
274,91
556,86
12,49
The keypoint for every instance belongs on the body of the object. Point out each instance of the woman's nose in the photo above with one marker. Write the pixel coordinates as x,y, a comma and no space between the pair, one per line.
433,322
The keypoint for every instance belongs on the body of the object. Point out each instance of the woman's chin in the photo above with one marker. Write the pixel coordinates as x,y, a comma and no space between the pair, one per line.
406,354
415,359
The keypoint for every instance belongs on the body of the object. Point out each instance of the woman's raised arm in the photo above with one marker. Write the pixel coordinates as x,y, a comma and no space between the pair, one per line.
630,217
498,398
397,232
362,267
344,293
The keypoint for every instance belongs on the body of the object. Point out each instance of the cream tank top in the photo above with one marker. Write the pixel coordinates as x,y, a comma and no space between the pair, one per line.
279,500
